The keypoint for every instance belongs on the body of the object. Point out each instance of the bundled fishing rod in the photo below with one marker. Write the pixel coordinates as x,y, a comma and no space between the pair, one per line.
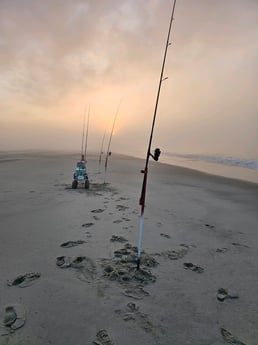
157,151
87,133
110,138
83,135
101,148
85,139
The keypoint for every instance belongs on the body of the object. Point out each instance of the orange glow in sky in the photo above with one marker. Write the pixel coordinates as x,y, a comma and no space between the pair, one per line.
56,61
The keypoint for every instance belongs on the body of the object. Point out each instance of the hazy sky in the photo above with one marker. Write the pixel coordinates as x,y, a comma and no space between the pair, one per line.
60,57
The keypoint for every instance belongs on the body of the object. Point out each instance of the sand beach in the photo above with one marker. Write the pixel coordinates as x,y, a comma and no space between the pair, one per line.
67,257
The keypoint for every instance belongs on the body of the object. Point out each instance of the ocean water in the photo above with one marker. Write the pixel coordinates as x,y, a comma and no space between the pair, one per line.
234,167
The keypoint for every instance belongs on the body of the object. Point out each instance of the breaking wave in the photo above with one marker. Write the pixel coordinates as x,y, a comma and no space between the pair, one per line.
229,161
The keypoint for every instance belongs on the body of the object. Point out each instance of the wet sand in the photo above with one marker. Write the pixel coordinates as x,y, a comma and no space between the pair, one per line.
67,257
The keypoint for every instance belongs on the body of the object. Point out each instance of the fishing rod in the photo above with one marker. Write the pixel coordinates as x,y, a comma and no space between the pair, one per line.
101,148
83,135
110,138
87,132
157,151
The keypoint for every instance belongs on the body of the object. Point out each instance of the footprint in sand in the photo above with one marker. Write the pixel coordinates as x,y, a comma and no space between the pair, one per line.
87,225
175,254
164,235
70,244
84,266
137,292
192,267
209,226
12,318
122,199
99,210
116,238
24,280
229,338
121,207
239,245
187,245
126,219
63,261
132,307
221,250
135,212
142,320
117,221
223,294
103,338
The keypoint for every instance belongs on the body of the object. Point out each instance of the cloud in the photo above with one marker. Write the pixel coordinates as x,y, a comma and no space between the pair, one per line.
56,56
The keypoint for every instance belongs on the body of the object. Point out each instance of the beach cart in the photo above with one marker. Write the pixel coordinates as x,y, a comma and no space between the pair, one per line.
80,176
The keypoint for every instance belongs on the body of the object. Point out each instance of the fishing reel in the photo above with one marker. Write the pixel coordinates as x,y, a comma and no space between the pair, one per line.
156,154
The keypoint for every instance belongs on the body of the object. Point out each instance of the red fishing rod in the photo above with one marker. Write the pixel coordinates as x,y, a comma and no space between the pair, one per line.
157,151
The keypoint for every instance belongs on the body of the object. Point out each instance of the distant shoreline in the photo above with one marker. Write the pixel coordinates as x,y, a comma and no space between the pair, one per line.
211,169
